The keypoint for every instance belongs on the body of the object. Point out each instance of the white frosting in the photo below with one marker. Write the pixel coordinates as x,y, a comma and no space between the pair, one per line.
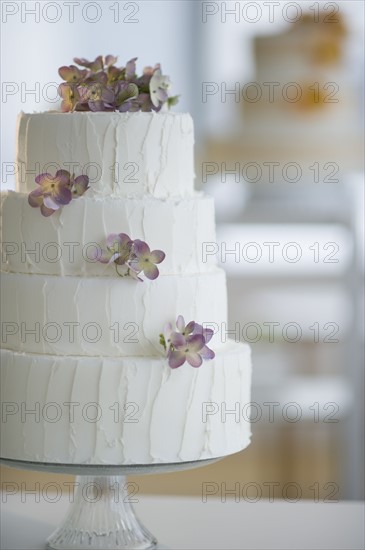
105,316
124,154
80,340
59,245
163,419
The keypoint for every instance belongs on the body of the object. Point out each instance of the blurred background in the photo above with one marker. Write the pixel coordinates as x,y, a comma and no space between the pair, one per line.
276,91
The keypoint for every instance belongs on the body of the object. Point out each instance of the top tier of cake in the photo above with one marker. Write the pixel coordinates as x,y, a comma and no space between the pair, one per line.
124,154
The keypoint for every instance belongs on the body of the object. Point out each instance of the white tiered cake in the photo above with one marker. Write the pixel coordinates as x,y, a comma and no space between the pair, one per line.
84,379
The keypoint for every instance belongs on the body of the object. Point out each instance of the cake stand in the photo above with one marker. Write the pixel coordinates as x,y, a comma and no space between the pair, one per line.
101,514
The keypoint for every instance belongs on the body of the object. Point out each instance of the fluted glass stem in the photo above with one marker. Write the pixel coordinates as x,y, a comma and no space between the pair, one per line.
101,517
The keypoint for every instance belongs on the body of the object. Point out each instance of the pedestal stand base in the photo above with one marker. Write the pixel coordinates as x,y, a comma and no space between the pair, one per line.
102,517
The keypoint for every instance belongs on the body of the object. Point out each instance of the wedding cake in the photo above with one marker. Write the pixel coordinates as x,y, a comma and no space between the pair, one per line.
104,355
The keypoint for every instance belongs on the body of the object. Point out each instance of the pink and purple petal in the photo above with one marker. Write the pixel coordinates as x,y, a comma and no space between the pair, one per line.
150,271
110,60
198,329
207,353
62,195
124,107
97,64
195,342
35,198
208,334
194,359
104,256
167,331
108,96
49,202
112,240
96,106
176,359
140,248
135,264
96,254
189,329
148,71
130,68
124,239
180,323
82,61
46,211
42,179
63,177
80,185
66,72
64,90
71,73
177,340
157,256
82,180
38,192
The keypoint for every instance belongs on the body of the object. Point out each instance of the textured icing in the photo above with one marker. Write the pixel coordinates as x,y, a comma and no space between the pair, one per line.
125,154
162,421
104,316
59,245
75,333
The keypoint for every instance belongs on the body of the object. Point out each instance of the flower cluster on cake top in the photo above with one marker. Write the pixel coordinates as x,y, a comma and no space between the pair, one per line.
56,191
101,86
187,343
130,257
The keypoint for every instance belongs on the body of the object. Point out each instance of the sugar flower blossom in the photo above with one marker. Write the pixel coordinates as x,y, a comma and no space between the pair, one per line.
187,343
131,258
56,191
102,86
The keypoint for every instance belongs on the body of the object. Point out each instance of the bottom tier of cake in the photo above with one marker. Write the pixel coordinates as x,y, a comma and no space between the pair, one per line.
129,410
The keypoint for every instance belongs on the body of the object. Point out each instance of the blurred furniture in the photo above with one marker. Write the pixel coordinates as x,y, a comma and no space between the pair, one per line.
317,371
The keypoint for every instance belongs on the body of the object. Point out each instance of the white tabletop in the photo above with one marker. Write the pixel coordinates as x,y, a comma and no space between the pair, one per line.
187,523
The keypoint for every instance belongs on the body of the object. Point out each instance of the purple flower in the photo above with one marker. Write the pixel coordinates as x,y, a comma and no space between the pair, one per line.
101,86
56,191
53,192
115,74
72,74
142,103
97,97
130,257
185,350
70,96
92,78
188,343
207,334
110,60
145,260
185,330
94,66
119,248
130,69
79,185
125,92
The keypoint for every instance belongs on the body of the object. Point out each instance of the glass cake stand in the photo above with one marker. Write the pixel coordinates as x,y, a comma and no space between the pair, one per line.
101,514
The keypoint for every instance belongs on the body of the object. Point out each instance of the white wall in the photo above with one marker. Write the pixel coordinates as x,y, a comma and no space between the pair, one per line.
32,51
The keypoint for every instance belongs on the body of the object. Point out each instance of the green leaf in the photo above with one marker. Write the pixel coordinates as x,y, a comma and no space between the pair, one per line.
173,100
163,341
